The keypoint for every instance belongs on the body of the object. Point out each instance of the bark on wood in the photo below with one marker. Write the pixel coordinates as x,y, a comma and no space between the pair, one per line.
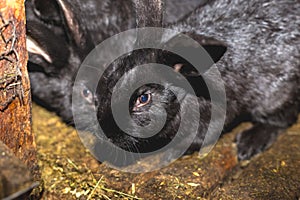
15,99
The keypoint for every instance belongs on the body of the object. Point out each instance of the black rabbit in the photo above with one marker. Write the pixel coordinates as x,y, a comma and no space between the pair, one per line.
260,68
259,62
61,33
59,36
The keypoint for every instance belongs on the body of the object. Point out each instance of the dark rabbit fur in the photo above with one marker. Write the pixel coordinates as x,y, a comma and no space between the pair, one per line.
260,70
261,67
66,31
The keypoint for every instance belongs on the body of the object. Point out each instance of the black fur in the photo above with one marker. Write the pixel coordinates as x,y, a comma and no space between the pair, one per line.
261,66
260,70
67,44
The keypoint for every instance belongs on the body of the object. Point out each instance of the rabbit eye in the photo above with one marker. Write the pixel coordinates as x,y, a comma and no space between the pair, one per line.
144,99
87,94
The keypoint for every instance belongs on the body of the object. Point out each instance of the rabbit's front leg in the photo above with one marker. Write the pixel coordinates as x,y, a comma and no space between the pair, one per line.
256,139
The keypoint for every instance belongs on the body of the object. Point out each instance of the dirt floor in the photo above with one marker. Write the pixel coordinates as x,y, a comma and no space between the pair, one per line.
70,172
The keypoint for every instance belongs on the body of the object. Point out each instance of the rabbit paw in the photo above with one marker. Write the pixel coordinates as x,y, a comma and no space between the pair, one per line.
255,140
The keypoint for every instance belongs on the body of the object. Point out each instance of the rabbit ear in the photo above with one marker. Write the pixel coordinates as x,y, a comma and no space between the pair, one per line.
149,13
48,11
47,50
75,30
213,47
63,17
34,48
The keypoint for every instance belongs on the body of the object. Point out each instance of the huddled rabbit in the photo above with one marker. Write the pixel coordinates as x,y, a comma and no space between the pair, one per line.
259,65
61,33
255,46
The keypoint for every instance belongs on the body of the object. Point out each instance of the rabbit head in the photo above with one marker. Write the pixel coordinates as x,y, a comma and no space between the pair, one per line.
60,34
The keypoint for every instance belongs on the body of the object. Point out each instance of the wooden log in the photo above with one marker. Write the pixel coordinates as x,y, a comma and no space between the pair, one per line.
15,97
